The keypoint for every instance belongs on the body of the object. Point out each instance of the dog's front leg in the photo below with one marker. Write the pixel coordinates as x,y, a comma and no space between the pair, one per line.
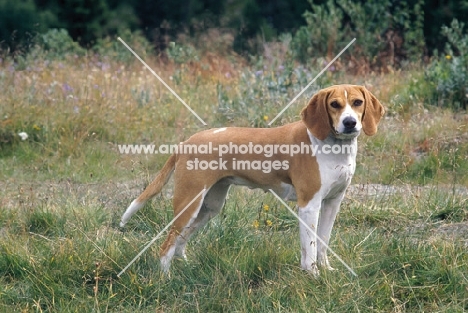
328,214
310,215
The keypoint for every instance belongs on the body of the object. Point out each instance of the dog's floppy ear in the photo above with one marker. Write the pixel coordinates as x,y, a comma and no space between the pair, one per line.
373,112
315,115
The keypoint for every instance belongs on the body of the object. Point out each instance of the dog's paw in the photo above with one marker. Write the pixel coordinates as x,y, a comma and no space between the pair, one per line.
327,267
164,275
324,264
315,271
312,269
180,257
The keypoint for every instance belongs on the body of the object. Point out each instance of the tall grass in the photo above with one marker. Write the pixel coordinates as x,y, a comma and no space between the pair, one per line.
65,257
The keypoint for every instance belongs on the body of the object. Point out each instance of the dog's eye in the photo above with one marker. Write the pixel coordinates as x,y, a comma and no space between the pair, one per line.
335,104
357,103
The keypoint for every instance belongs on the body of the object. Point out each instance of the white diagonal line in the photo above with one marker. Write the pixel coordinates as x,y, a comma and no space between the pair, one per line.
160,233
162,81
313,232
313,80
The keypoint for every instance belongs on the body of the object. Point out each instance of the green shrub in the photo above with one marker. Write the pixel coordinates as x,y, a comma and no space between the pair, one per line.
58,44
444,82
55,44
449,74
112,49
322,31
181,53
387,34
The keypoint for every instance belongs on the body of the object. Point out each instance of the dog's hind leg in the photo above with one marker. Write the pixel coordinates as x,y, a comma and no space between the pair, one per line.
181,201
212,205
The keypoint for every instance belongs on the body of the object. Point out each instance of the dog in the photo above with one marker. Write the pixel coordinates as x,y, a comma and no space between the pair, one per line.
331,121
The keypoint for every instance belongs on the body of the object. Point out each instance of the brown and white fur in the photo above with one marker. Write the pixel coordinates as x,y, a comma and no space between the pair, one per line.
334,116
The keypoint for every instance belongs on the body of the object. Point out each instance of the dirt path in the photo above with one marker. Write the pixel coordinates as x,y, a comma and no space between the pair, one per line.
116,196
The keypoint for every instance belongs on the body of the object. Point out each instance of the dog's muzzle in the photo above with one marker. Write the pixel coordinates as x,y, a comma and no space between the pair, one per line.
349,124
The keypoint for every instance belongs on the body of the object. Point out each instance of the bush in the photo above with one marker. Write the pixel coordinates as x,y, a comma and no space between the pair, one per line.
111,48
321,33
55,44
387,34
181,53
444,82
449,74
58,44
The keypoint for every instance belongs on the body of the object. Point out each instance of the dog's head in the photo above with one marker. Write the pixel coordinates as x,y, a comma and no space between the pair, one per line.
342,110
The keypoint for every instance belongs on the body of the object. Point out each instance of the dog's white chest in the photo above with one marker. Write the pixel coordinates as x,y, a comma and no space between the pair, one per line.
335,178
336,169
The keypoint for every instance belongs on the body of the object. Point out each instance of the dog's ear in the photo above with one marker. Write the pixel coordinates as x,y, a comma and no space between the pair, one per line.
315,115
373,112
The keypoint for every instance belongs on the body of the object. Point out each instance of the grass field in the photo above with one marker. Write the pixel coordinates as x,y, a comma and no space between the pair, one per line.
403,226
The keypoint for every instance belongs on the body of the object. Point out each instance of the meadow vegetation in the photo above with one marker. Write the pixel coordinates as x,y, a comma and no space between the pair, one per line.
402,227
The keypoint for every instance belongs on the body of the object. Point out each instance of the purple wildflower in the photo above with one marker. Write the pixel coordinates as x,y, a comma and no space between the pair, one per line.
67,88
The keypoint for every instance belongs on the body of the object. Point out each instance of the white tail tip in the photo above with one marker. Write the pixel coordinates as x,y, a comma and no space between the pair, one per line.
132,209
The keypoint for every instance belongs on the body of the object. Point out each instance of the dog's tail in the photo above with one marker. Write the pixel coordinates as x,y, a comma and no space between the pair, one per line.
153,189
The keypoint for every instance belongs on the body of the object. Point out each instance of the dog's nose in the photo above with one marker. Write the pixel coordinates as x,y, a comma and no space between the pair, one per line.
349,122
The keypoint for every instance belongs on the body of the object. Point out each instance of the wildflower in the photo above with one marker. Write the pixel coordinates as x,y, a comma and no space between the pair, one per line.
268,223
35,127
23,135
265,118
448,57
105,66
266,207
67,88
256,224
